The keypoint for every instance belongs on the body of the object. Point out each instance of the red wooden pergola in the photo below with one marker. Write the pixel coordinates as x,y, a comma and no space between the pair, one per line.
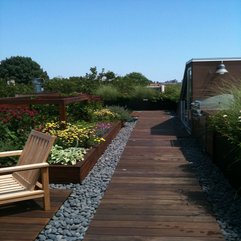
53,98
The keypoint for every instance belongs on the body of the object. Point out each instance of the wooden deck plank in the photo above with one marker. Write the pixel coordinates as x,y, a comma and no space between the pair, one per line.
153,194
24,220
147,238
150,218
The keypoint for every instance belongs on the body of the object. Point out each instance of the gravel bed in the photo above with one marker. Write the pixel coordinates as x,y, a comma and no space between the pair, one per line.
225,202
72,220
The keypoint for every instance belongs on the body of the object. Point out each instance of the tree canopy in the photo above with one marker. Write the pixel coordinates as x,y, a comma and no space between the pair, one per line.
137,78
21,69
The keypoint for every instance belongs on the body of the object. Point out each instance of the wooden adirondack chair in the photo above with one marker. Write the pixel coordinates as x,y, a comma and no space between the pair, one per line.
21,182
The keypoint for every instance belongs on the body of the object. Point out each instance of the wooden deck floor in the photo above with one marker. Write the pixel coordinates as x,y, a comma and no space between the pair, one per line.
24,220
153,195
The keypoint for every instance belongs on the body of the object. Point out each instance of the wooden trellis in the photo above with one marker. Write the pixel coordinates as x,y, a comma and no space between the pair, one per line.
56,99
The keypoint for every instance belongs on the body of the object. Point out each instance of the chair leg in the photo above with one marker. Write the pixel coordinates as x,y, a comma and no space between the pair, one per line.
45,183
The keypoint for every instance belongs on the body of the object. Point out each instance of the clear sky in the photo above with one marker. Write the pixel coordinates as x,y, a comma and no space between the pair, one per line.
154,37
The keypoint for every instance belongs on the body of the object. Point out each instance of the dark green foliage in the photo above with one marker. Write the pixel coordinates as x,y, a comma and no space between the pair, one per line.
123,91
172,92
46,113
82,110
71,86
137,79
21,69
17,120
12,90
122,112
63,86
108,92
15,126
109,76
142,92
125,86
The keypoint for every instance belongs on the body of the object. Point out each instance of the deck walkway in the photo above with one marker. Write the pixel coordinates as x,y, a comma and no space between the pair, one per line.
153,195
22,221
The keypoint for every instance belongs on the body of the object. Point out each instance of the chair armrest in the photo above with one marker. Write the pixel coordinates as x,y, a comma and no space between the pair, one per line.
10,153
7,170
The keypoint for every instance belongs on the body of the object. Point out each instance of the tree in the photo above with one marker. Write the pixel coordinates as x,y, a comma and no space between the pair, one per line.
100,76
21,69
137,78
109,76
93,75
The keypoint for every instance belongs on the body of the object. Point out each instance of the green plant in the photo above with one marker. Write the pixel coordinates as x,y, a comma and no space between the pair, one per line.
70,155
10,90
121,113
142,92
108,92
172,92
46,112
16,123
227,123
83,111
8,142
62,86
72,85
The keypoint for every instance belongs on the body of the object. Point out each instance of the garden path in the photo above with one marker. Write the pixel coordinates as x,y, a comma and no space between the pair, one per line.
23,221
154,194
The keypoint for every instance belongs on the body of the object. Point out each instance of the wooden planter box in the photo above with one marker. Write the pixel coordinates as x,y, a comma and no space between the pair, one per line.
76,173
225,154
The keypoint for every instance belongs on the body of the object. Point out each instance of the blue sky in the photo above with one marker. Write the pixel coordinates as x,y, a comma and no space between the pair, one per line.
154,37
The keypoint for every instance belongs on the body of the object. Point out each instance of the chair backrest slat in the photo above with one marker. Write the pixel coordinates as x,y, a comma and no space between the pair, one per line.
36,150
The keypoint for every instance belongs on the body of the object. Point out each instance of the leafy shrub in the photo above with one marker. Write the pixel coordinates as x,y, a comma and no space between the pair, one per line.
46,112
12,90
121,113
16,124
227,122
8,141
63,86
172,92
124,86
71,86
82,110
70,155
108,93
142,92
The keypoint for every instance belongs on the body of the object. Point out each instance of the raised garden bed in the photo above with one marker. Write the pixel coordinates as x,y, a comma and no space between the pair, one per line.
225,157
77,173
